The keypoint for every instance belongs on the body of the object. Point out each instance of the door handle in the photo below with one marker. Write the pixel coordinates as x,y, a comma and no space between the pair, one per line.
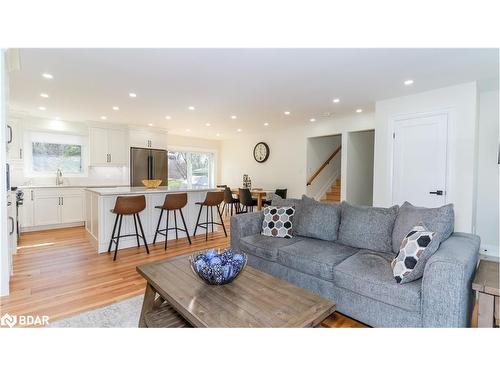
437,192
10,133
12,222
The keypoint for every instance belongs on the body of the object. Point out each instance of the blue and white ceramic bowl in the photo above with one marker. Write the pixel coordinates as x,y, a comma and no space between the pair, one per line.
218,268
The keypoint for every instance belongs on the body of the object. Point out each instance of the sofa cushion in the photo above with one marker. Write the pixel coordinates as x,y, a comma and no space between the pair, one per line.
318,220
367,227
417,247
265,247
369,274
440,220
314,257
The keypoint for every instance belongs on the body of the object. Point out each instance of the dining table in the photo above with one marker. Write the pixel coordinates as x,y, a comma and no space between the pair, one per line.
260,194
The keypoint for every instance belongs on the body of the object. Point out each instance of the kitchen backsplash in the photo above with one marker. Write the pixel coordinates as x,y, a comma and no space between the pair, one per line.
96,176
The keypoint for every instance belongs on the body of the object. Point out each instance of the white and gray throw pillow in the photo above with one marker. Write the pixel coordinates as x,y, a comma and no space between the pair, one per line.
278,221
416,248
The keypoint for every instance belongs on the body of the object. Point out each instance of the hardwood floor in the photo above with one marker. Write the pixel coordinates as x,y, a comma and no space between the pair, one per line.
58,273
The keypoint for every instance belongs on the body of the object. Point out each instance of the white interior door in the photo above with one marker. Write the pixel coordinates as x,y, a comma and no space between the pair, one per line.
420,160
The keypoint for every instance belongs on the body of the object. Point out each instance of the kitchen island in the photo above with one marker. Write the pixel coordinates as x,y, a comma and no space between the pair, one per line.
99,219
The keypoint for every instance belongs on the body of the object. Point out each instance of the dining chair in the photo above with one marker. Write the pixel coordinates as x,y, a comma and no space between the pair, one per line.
229,200
278,192
247,202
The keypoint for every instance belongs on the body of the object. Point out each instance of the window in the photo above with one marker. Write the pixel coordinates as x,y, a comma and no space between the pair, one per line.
49,157
187,169
48,152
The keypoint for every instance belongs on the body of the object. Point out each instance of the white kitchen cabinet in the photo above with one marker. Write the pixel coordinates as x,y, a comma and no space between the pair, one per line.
15,139
46,211
108,146
117,146
71,208
148,139
51,207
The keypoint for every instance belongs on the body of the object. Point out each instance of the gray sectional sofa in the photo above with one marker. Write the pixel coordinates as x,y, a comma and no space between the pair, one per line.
343,253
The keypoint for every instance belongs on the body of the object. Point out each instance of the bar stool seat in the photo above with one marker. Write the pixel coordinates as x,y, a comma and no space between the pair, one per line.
212,199
173,202
128,205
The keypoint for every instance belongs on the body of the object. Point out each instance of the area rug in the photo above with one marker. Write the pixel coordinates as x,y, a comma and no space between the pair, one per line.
123,314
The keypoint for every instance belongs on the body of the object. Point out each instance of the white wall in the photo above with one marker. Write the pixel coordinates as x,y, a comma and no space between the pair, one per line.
287,163
487,223
462,101
319,150
285,168
359,170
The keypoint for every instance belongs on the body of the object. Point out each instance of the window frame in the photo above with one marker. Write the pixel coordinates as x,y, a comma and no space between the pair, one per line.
212,177
47,136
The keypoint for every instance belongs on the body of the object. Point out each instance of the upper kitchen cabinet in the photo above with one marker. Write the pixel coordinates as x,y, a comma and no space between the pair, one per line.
108,146
14,139
148,139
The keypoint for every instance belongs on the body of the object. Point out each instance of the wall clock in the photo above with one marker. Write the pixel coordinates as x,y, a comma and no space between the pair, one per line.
261,152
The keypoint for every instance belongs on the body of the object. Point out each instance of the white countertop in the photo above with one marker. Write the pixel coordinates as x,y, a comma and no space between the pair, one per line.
128,190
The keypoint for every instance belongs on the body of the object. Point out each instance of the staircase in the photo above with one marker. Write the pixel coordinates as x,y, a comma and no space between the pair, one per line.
333,196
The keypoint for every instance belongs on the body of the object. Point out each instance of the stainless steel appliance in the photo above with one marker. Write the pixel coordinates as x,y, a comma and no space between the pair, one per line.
148,164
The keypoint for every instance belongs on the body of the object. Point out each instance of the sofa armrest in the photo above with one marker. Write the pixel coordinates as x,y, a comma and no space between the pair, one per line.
243,225
447,297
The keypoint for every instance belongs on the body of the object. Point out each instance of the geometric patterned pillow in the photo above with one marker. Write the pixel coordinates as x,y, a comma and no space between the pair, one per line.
417,247
278,221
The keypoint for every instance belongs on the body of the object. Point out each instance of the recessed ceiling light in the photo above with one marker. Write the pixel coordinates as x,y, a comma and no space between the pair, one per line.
233,117
57,118
359,110
336,100
115,108
168,117
408,82
239,130
188,130
47,76
150,124
42,108
207,124
286,113
191,108
217,135
312,120
266,124
44,95
132,94
103,117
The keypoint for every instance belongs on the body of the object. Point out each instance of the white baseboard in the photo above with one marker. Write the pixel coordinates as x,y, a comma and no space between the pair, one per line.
53,226
327,186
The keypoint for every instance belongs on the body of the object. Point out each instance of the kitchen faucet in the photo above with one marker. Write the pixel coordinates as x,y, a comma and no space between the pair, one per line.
59,177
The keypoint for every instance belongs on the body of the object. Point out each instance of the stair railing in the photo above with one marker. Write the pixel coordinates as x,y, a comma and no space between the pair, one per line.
311,179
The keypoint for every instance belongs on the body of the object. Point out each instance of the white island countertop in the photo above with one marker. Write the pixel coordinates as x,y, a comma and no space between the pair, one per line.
129,190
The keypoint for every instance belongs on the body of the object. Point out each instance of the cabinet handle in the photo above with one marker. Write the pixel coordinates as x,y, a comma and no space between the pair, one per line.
10,133
110,158
62,201
12,223
31,191
20,153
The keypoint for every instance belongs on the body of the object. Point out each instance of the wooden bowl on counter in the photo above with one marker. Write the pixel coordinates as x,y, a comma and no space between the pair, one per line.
151,184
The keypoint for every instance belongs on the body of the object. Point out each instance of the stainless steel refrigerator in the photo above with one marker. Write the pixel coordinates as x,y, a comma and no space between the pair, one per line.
148,164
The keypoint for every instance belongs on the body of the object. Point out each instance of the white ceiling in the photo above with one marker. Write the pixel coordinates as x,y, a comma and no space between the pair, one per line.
256,85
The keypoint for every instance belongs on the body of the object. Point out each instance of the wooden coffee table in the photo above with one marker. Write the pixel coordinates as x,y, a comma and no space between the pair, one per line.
175,297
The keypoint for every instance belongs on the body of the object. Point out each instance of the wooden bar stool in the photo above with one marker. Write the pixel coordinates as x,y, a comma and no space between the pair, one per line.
212,199
173,202
128,206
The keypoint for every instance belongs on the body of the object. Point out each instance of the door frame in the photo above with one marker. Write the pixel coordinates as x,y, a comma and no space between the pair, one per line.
450,114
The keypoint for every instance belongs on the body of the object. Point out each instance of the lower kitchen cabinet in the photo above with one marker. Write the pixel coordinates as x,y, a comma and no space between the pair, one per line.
52,207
